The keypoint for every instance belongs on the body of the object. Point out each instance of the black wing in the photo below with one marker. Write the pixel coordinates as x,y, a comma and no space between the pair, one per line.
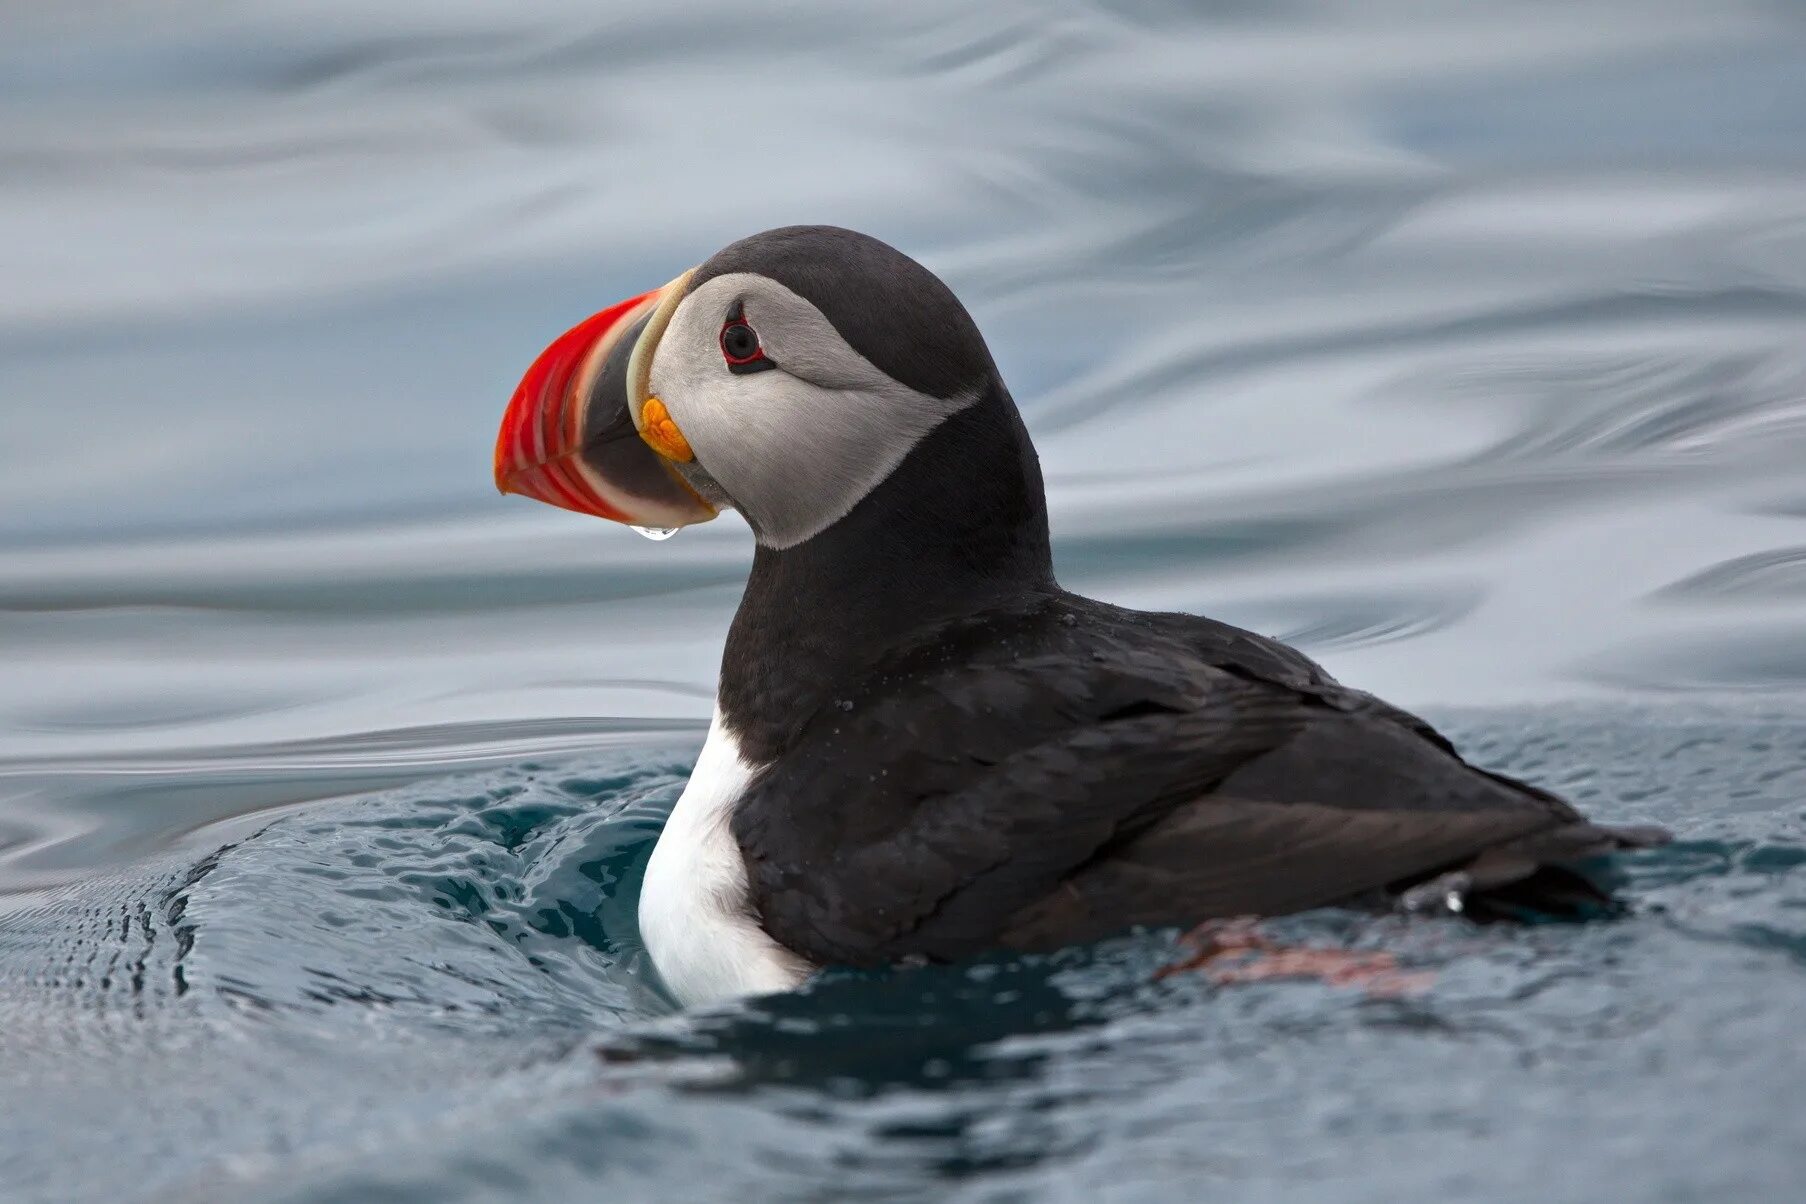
1050,776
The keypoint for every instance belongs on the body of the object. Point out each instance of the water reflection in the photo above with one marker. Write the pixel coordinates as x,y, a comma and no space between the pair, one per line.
1462,347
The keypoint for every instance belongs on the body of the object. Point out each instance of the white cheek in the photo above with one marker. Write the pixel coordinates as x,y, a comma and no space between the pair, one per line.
795,448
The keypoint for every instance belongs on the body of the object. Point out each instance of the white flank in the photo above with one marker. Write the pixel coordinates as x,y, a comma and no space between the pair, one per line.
694,914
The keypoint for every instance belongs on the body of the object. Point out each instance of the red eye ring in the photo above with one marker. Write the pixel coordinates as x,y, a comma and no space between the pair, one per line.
740,345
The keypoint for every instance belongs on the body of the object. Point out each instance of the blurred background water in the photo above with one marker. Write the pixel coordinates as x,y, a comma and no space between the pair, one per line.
1464,345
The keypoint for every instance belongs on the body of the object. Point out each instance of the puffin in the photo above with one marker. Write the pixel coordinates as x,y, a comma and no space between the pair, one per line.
923,748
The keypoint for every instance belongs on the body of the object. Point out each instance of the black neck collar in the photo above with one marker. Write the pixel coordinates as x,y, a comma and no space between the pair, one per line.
959,527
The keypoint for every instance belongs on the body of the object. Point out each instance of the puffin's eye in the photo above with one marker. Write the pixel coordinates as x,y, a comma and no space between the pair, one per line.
740,344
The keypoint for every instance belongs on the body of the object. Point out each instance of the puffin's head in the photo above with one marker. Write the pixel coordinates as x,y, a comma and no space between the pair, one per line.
786,377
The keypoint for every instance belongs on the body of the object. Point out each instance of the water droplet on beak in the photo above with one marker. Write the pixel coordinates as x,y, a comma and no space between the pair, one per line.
657,533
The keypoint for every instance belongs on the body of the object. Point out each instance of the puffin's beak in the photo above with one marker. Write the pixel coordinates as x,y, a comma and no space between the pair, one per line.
572,434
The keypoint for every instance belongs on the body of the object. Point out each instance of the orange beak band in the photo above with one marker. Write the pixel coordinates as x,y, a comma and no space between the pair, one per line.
568,436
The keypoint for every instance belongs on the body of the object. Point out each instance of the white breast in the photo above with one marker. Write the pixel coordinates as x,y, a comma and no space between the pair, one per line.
694,914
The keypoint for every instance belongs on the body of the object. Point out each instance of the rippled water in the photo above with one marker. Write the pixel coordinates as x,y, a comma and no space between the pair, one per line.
1463,345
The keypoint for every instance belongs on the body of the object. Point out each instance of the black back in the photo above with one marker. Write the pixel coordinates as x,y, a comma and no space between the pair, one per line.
1053,769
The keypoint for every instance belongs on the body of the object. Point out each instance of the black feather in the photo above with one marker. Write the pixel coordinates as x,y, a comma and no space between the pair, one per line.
959,754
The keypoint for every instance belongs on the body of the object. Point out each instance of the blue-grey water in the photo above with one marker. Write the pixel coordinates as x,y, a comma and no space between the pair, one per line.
1464,345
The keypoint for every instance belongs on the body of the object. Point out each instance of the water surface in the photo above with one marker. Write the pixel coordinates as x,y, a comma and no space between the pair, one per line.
1462,346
